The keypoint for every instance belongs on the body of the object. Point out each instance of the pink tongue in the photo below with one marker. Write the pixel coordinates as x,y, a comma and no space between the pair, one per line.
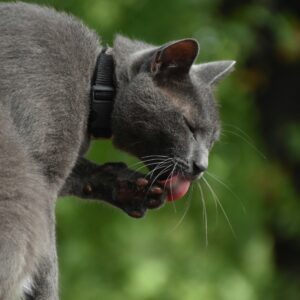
177,187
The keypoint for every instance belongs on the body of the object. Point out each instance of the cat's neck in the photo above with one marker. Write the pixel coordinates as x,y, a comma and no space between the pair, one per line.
102,96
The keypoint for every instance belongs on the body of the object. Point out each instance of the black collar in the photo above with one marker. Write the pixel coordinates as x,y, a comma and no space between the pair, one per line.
102,96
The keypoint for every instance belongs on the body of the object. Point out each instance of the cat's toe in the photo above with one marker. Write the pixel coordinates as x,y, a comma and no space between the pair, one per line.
142,182
135,212
156,190
154,203
155,198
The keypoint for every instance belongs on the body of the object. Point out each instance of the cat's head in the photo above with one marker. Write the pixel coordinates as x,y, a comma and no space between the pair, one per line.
164,108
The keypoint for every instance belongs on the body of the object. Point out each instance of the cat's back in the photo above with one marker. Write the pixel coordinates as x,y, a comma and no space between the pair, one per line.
38,39
41,25
47,60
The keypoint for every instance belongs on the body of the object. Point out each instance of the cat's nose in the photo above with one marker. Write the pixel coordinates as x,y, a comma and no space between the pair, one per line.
199,162
199,168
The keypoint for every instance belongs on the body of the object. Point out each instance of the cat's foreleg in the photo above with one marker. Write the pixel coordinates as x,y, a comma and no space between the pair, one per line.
116,184
45,281
27,265
25,203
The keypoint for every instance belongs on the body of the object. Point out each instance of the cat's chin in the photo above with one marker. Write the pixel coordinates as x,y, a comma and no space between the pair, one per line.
177,187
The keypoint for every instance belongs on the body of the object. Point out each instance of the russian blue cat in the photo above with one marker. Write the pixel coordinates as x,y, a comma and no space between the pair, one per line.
164,114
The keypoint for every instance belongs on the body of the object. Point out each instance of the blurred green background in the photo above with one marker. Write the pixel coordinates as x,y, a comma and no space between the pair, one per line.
254,169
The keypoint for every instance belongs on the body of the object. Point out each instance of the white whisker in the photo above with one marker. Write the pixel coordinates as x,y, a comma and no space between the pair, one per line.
157,168
247,142
173,203
204,214
145,167
228,189
221,206
185,211
145,161
164,170
159,165
240,130
154,156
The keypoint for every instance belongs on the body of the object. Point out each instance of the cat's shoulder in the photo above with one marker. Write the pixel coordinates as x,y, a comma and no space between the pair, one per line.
43,20
21,11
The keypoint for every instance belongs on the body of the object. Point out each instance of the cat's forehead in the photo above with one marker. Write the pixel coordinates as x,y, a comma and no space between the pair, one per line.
178,101
190,100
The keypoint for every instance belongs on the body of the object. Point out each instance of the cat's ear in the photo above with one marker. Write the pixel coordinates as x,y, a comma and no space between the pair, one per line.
175,57
211,73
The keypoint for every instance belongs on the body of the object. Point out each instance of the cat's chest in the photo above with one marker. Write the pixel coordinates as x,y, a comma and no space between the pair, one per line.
62,144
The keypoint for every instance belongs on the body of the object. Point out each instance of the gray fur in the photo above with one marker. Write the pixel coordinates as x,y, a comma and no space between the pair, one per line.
47,62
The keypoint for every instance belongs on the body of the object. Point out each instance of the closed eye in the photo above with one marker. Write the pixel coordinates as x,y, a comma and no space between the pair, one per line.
190,126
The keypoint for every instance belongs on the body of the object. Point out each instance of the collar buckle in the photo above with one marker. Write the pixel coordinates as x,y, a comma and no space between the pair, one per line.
102,92
100,121
102,95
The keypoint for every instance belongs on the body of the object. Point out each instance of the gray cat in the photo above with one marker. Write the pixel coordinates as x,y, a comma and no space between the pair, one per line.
164,114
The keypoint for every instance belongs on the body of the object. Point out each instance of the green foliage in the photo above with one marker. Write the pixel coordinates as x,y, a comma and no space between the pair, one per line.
104,254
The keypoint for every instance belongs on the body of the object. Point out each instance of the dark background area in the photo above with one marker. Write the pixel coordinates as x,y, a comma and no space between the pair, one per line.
254,169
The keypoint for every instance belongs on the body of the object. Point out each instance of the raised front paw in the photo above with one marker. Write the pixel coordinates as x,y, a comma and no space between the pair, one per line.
124,188
136,194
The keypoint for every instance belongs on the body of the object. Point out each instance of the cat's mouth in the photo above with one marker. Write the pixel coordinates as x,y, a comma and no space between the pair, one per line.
177,187
176,183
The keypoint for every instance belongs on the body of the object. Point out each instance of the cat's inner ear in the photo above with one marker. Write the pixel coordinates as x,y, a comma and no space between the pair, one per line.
175,57
211,73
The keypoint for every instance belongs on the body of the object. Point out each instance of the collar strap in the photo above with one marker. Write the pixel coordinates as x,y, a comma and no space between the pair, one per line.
102,96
